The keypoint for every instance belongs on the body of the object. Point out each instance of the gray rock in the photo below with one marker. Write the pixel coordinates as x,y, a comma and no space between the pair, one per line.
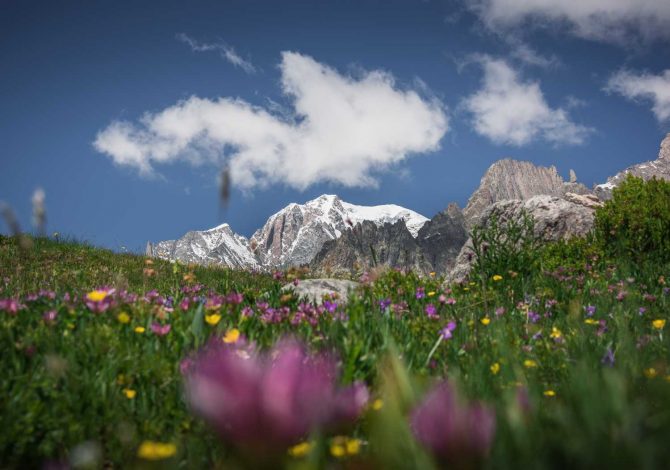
316,289
442,237
555,219
659,168
368,245
516,180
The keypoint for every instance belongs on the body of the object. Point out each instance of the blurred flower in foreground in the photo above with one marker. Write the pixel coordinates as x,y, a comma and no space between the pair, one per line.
150,450
268,402
458,434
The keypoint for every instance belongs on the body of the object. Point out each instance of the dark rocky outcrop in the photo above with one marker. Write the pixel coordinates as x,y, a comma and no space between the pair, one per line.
442,237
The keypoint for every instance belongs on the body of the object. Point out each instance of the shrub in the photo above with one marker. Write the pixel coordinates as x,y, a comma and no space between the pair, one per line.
505,245
635,223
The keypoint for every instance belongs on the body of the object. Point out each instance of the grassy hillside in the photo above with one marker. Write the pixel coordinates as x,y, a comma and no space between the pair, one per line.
564,364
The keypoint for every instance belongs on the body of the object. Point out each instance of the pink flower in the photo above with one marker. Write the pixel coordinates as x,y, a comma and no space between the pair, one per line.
160,330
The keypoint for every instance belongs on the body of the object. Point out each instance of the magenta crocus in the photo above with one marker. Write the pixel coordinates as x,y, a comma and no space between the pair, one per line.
431,311
447,331
268,402
458,434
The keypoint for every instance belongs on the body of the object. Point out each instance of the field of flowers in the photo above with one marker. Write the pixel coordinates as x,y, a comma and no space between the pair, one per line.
116,360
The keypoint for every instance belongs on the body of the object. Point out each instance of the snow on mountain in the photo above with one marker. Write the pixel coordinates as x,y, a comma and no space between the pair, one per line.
218,245
295,234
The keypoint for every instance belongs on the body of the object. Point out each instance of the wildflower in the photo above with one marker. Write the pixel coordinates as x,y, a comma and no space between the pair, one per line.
485,321
591,321
160,330
495,368
641,311
431,293
650,373
384,303
266,402
447,331
378,404
342,446
96,295
451,301
608,358
549,393
213,319
533,317
500,311
150,450
50,316
658,324
231,336
123,317
555,333
529,364
497,277
458,434
139,329
590,310
129,393
431,311
420,293
300,450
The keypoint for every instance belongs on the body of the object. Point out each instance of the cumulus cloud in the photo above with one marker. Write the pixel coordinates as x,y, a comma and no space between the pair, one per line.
342,129
644,86
618,21
508,110
227,52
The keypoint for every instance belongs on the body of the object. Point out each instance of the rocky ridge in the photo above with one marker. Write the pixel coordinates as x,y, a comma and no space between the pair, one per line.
659,168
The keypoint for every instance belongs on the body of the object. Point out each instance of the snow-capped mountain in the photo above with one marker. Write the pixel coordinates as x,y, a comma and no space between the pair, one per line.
218,245
291,237
294,235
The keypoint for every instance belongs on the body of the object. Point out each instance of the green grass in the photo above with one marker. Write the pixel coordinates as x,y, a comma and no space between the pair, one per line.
63,382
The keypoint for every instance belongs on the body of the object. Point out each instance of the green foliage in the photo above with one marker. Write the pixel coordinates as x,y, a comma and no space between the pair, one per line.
501,246
635,223
575,254
63,381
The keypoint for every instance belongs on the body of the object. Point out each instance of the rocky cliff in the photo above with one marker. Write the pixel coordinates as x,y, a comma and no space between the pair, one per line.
659,168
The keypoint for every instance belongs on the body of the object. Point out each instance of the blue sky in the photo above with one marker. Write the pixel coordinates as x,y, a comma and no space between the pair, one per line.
125,112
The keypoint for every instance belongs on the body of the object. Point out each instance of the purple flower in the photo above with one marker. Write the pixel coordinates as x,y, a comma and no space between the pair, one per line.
533,317
590,310
420,293
265,403
160,330
384,303
608,358
500,311
447,331
641,311
50,316
458,434
431,311
11,306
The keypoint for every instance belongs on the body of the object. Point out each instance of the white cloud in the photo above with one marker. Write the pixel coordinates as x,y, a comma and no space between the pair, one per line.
644,86
342,129
508,110
227,52
619,21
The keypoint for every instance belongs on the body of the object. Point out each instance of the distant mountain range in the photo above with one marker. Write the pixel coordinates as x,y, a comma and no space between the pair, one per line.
335,237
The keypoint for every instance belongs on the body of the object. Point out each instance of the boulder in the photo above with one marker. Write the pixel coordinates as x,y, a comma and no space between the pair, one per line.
316,289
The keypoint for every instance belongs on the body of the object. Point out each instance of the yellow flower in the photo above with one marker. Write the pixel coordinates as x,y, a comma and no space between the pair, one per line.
353,446
342,446
473,283
231,336
529,363
213,319
300,450
650,373
150,450
466,288
139,329
431,293
591,321
658,324
485,321
129,393
378,404
123,317
495,368
555,333
549,393
96,295
497,277
431,274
